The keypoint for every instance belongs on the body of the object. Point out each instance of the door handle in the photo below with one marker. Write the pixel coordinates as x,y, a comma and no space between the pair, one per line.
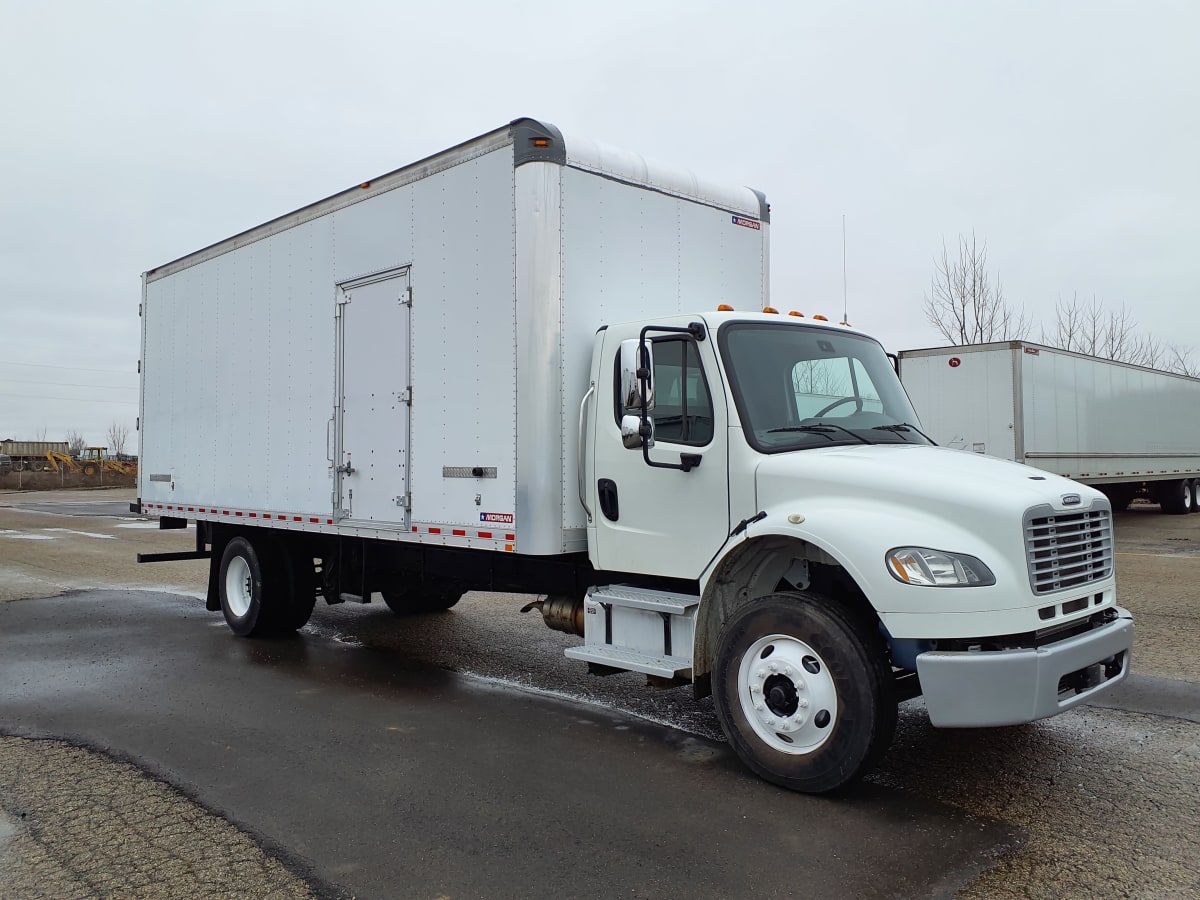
606,490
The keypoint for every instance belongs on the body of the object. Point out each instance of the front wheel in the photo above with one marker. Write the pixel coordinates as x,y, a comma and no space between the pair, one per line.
804,693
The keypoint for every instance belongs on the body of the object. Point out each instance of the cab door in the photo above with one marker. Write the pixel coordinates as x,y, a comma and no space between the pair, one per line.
664,521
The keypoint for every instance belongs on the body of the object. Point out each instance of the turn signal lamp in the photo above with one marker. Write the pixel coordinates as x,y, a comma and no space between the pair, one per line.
770,309
798,315
724,307
541,142
820,318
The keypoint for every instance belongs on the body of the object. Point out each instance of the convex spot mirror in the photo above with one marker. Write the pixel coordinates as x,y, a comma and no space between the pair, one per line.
637,375
637,368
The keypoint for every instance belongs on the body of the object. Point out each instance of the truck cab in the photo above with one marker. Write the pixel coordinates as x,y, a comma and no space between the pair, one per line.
815,557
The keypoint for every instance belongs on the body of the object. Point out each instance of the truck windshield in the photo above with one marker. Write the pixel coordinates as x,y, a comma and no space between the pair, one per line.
798,387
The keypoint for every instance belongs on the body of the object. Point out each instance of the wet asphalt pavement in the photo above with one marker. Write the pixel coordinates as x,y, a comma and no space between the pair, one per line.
462,755
378,777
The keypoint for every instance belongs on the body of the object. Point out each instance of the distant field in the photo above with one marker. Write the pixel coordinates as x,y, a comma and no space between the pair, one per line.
55,481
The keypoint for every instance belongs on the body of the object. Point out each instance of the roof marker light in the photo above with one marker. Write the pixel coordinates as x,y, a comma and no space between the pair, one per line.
770,309
798,315
724,307
541,142
365,185
820,318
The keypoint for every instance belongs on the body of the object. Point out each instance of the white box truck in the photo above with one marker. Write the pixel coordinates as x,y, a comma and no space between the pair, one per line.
1127,430
532,363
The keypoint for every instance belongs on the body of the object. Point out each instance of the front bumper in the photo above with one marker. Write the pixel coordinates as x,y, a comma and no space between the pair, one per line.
971,689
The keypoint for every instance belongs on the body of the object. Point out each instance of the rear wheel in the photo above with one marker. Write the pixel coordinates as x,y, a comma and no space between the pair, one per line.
251,594
1175,497
423,598
803,692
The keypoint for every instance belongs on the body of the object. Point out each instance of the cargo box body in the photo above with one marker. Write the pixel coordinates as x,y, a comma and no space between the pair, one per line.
1092,420
406,359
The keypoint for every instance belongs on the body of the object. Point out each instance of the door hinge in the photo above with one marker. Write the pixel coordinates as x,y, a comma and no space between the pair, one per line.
404,501
406,299
406,396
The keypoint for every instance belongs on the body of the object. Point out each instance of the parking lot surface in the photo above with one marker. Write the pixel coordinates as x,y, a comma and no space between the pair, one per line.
507,757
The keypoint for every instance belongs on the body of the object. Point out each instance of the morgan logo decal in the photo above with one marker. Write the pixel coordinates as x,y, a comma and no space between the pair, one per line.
955,362
746,223
496,518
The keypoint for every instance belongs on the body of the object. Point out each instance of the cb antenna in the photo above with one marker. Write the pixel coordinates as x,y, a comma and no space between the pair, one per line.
845,304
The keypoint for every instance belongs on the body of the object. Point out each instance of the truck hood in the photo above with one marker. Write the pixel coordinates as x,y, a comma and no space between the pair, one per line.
937,480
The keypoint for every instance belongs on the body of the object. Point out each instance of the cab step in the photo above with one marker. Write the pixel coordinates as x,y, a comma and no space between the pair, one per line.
633,661
638,630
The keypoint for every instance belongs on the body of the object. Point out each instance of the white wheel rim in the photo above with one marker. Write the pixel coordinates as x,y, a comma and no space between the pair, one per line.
787,694
238,587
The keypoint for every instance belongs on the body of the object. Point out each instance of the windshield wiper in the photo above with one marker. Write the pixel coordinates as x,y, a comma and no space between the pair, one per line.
822,429
901,427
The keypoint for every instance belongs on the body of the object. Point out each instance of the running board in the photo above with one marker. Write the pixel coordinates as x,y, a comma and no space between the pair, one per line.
632,661
638,630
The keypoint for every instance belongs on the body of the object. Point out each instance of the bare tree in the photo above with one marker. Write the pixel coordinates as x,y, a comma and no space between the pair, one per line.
40,434
75,443
965,305
1088,327
118,436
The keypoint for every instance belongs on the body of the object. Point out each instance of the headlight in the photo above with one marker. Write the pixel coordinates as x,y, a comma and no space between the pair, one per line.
937,568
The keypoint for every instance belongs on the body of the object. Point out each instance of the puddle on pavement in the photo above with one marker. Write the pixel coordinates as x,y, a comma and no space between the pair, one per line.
8,827
91,534
24,536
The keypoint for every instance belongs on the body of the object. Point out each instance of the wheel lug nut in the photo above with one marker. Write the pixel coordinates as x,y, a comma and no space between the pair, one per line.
759,707
774,667
799,684
787,670
803,704
770,721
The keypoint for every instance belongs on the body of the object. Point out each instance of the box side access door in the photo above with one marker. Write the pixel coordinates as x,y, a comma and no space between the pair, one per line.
372,420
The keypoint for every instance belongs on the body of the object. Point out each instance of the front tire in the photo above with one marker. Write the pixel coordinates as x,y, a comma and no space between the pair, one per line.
804,693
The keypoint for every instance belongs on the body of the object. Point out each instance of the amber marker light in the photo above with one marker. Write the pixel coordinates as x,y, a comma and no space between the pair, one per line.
541,142
724,307
820,318
798,315
365,185
770,309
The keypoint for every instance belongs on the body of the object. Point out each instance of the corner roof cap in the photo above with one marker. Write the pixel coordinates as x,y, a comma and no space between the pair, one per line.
535,141
764,208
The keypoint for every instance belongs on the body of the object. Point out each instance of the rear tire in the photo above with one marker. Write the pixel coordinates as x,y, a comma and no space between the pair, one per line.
425,598
804,692
1175,497
251,593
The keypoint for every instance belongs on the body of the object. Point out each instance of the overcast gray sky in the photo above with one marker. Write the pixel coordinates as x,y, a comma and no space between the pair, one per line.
1065,134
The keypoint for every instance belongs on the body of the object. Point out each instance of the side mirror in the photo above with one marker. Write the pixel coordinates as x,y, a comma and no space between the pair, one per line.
637,368
632,431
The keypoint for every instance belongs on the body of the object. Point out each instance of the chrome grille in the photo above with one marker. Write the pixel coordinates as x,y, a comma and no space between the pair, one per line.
1066,550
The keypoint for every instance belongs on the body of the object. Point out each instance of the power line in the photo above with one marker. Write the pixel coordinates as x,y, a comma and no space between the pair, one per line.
72,368
70,399
106,387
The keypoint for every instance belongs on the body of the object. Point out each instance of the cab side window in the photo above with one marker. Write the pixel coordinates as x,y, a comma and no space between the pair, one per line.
683,412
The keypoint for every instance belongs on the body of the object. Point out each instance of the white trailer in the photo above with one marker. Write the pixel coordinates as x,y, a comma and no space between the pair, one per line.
1127,430
519,365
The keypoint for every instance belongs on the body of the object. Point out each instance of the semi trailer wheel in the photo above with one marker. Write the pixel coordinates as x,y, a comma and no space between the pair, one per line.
803,692
1175,498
